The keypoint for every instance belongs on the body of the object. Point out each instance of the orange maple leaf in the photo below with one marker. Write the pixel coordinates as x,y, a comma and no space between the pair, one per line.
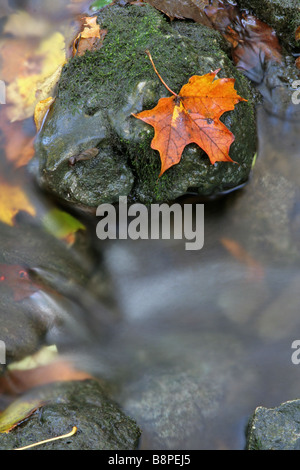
193,117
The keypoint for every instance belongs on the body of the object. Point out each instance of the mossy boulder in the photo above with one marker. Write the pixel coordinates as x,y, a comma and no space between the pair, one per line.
283,16
98,93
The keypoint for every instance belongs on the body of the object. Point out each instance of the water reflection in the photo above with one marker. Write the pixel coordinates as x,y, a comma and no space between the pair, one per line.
190,342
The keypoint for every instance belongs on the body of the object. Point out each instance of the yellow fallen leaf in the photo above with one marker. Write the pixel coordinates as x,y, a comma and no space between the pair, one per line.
24,25
38,81
43,357
41,111
12,200
46,441
17,58
17,412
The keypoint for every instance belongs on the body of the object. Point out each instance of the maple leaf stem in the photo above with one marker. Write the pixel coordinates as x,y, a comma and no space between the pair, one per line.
155,70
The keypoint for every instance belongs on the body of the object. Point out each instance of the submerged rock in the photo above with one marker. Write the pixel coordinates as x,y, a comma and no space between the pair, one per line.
101,425
99,91
275,428
284,17
45,293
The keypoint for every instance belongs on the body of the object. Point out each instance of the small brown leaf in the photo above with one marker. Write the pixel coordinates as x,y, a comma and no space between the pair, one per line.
18,139
90,39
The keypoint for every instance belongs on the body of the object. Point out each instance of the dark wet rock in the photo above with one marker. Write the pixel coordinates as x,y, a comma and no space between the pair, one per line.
22,334
99,91
275,428
101,424
283,16
48,307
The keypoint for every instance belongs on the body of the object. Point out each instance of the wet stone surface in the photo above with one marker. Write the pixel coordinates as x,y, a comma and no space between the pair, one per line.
101,425
275,429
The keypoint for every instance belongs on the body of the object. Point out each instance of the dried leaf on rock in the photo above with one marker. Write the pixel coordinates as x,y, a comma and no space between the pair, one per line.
193,117
91,38
17,412
256,270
